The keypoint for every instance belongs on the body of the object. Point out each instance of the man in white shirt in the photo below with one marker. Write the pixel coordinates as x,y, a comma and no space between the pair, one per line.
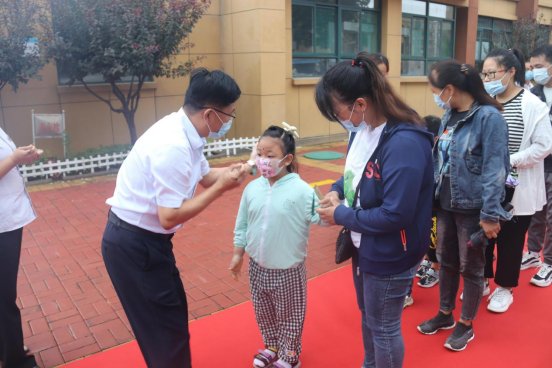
153,197
538,236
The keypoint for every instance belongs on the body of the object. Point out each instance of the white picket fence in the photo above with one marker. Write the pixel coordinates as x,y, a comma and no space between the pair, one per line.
75,167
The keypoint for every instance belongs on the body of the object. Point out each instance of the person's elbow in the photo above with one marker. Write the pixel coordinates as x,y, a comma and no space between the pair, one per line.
168,217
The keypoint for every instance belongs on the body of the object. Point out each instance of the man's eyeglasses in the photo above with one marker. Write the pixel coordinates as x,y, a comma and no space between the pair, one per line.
490,75
217,110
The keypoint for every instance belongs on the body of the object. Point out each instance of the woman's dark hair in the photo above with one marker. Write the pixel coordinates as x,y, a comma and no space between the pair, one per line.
347,81
287,142
509,59
379,58
545,50
433,123
462,76
211,88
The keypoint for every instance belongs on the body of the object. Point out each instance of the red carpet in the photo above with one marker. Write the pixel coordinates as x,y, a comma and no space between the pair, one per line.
518,338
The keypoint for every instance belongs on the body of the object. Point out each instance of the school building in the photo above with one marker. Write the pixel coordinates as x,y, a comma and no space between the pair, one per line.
277,50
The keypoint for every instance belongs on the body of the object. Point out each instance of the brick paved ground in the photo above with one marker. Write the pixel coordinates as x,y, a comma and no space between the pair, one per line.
69,307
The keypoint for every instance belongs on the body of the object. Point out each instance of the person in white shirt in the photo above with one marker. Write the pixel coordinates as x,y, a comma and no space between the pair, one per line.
153,197
16,211
538,236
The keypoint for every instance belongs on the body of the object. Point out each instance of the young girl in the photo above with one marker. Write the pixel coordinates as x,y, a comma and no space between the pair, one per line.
272,225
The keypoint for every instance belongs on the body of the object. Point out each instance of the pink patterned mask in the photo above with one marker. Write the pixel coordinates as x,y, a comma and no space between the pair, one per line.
269,167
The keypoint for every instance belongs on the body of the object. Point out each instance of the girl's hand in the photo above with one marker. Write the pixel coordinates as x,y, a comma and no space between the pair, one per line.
491,229
327,214
235,266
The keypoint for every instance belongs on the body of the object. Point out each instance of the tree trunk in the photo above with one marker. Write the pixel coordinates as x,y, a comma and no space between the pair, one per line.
129,117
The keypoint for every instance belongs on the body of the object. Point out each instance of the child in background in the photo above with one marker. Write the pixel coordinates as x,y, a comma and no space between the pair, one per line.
428,272
429,268
272,226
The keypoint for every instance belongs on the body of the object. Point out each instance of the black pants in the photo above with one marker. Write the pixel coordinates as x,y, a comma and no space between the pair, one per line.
143,270
11,334
510,243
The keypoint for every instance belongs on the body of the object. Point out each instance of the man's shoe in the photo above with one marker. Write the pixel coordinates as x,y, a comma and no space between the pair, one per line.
530,259
543,278
440,322
460,337
431,278
500,300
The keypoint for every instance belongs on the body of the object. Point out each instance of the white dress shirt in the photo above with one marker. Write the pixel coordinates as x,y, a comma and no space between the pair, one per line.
16,209
162,169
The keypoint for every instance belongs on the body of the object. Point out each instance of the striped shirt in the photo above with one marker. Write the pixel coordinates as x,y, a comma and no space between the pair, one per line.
514,118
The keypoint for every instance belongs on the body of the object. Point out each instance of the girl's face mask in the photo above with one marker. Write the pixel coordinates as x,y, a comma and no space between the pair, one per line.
269,167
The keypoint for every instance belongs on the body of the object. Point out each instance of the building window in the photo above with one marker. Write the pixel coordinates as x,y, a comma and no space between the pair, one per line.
327,31
491,34
427,35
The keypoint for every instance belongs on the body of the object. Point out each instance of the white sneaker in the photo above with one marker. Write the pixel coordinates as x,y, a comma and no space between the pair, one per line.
530,259
500,300
543,278
486,290
408,301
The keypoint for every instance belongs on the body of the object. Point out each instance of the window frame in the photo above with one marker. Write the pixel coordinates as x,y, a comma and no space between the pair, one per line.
492,28
338,55
427,18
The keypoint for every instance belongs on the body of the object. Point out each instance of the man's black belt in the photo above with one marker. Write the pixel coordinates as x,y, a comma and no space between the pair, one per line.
111,217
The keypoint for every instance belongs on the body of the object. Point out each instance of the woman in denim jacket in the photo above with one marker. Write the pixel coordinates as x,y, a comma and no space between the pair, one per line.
471,164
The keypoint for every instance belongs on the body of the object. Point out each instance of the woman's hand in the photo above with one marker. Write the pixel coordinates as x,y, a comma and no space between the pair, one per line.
327,214
330,199
491,229
236,265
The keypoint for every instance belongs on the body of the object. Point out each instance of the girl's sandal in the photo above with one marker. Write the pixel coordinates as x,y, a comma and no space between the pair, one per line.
264,358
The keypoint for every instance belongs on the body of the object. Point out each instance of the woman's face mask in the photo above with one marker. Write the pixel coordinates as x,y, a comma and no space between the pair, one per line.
496,87
348,124
269,167
442,104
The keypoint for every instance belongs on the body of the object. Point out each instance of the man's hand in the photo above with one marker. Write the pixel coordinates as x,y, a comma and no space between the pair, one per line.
491,229
231,177
25,155
235,266
330,199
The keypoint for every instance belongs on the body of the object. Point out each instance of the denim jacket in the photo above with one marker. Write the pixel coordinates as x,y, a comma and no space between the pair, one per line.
479,162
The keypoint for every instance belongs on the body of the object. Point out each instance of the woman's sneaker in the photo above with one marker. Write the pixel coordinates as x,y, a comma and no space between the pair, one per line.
530,259
440,322
500,300
408,301
543,278
431,278
460,337
422,269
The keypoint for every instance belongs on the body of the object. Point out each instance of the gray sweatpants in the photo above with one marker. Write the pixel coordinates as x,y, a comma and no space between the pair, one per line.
280,300
538,235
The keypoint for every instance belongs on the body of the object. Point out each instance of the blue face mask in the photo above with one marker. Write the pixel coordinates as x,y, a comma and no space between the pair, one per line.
540,75
529,75
223,129
439,102
495,87
348,124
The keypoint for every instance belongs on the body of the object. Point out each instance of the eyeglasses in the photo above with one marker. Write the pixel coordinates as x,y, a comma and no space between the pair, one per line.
217,110
490,75
336,115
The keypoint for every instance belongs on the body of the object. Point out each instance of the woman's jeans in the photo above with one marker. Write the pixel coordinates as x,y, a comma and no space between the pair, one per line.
380,300
456,258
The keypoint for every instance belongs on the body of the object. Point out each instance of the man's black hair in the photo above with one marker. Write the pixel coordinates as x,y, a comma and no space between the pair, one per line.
211,89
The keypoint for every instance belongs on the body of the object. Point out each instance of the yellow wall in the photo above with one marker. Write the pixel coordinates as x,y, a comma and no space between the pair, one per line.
250,40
